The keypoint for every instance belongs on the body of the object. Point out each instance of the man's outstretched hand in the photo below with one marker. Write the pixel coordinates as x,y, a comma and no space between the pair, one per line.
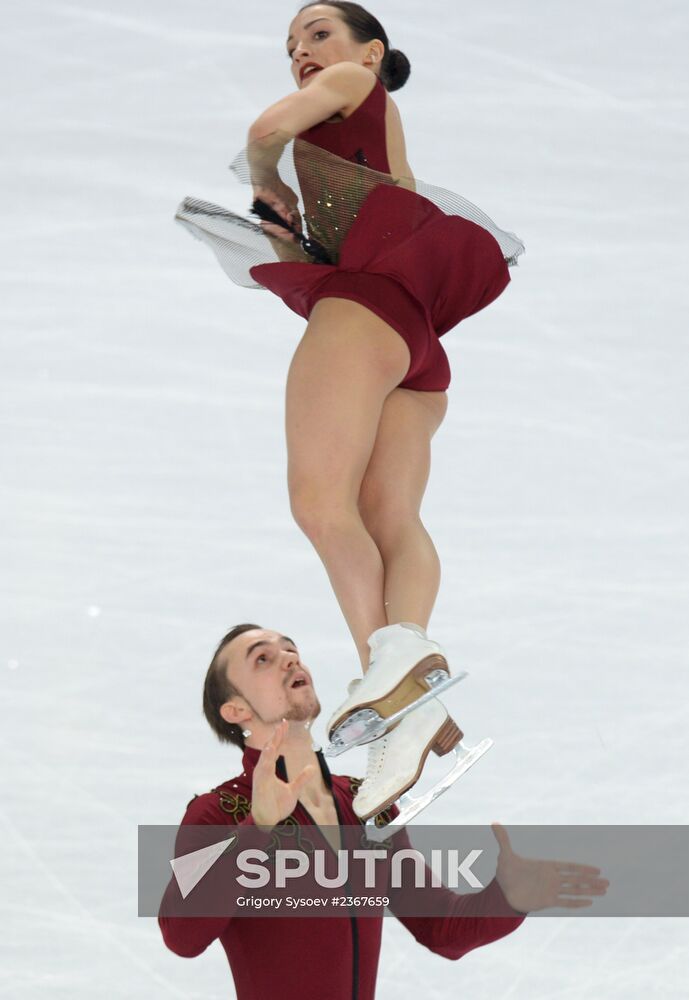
536,885
273,799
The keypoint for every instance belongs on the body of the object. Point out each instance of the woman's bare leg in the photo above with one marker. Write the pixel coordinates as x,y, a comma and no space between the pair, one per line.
345,366
390,500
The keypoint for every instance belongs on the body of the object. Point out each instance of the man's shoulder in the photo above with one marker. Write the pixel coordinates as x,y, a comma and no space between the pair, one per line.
228,802
346,783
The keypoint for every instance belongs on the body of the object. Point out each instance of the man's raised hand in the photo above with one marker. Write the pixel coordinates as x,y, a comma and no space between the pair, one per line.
272,799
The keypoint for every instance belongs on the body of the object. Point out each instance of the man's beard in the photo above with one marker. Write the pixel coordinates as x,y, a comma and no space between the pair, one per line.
304,710
307,709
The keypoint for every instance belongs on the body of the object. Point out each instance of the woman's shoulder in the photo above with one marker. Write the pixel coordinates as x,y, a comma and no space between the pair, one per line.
354,72
354,82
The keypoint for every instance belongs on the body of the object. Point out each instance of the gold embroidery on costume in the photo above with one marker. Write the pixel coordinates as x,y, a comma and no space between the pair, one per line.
236,805
355,784
384,817
289,829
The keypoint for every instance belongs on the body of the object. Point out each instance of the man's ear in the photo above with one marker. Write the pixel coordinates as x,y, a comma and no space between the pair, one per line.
235,712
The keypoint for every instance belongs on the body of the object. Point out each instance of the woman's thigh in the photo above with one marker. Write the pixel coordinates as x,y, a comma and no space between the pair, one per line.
397,473
346,364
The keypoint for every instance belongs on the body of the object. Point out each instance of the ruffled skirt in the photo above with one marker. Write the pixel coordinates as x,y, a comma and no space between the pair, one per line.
418,255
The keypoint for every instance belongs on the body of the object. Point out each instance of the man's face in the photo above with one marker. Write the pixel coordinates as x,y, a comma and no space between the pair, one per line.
265,667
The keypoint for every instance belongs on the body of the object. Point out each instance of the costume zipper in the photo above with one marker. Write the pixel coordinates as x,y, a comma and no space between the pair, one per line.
282,772
355,931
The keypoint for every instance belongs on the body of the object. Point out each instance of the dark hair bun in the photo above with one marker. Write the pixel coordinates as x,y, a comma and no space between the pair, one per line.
396,68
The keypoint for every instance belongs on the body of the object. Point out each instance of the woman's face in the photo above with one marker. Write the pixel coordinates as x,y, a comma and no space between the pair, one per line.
318,35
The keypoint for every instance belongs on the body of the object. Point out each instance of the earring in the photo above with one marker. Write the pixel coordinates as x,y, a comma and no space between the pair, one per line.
246,733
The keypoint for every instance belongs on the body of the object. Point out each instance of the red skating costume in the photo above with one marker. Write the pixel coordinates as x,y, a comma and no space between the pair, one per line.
419,256
311,958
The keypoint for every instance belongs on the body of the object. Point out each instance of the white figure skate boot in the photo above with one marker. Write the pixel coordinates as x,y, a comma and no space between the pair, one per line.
407,669
396,760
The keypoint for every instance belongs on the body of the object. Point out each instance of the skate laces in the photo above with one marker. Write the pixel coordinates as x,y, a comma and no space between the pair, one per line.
376,756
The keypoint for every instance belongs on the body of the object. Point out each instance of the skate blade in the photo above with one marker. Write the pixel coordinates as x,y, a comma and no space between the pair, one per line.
410,805
367,725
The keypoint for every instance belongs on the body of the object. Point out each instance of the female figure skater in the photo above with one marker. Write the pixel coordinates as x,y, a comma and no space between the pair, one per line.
380,271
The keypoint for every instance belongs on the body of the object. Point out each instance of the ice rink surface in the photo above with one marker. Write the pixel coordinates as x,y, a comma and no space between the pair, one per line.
145,508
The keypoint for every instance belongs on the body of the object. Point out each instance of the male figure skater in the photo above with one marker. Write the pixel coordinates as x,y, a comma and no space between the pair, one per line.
260,696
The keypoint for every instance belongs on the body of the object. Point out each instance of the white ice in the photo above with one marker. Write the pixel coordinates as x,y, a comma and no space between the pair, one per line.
145,509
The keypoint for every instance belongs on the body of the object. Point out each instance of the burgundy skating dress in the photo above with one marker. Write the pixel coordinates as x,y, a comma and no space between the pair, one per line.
421,257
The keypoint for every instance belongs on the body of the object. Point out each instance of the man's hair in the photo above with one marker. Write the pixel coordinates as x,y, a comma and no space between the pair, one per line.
217,689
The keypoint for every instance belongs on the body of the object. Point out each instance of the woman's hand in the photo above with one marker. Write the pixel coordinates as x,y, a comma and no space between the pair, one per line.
283,200
273,799
536,885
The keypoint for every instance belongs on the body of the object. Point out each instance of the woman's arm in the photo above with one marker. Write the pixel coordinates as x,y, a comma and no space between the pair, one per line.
332,89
